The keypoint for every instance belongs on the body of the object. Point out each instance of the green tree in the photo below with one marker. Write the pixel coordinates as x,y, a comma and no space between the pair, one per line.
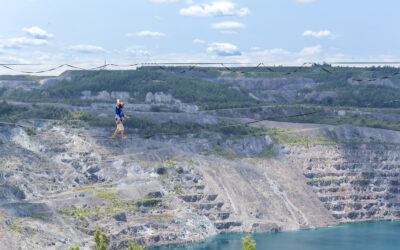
101,241
248,243
73,248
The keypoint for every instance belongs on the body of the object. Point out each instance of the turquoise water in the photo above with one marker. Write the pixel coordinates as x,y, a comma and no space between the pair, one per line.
359,236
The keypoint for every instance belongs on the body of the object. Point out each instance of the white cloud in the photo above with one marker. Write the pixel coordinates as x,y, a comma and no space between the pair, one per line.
308,51
19,42
228,25
163,1
87,48
133,51
213,9
223,49
318,34
146,33
37,33
198,41
305,1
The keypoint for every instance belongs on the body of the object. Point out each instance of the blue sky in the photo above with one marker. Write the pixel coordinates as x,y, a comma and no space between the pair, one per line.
285,32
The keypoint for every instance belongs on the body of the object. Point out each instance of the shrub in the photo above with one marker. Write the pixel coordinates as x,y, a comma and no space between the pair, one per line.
73,248
101,241
135,246
248,243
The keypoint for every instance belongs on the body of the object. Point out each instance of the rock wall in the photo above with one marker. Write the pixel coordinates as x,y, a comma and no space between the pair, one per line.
60,182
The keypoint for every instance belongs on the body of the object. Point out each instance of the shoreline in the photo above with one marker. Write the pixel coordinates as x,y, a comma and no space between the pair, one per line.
241,234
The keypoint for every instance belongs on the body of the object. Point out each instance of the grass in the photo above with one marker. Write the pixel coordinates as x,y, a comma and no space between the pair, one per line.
266,154
219,150
84,190
162,216
16,229
190,162
80,213
106,194
108,209
82,229
38,217
300,139
30,131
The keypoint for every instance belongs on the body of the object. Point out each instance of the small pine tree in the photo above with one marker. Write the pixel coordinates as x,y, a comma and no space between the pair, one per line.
101,241
248,243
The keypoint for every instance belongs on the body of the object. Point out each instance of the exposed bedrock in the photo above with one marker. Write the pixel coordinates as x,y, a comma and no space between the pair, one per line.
62,183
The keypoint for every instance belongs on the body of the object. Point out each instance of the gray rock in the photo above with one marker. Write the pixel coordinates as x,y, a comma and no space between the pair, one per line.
120,217
93,169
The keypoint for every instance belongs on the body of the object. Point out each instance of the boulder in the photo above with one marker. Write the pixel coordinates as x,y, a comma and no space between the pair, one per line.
120,217
149,97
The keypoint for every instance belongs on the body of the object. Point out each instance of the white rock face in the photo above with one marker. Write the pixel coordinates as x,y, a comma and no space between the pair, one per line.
167,100
86,94
105,96
254,97
120,95
149,97
342,113
160,97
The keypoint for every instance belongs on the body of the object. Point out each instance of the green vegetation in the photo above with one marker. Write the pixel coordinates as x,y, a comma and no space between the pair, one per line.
135,246
14,112
101,240
211,95
22,78
219,150
80,213
162,216
30,131
139,82
266,154
16,229
111,208
73,248
84,189
352,93
290,137
248,243
236,129
2,90
10,112
107,194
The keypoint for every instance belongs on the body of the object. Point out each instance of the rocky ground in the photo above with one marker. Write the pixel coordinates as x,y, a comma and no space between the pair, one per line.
61,182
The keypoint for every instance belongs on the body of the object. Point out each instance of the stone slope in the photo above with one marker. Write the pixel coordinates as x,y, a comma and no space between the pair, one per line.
60,183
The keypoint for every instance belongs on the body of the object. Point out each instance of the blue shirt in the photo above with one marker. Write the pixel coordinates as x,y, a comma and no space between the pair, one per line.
119,114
